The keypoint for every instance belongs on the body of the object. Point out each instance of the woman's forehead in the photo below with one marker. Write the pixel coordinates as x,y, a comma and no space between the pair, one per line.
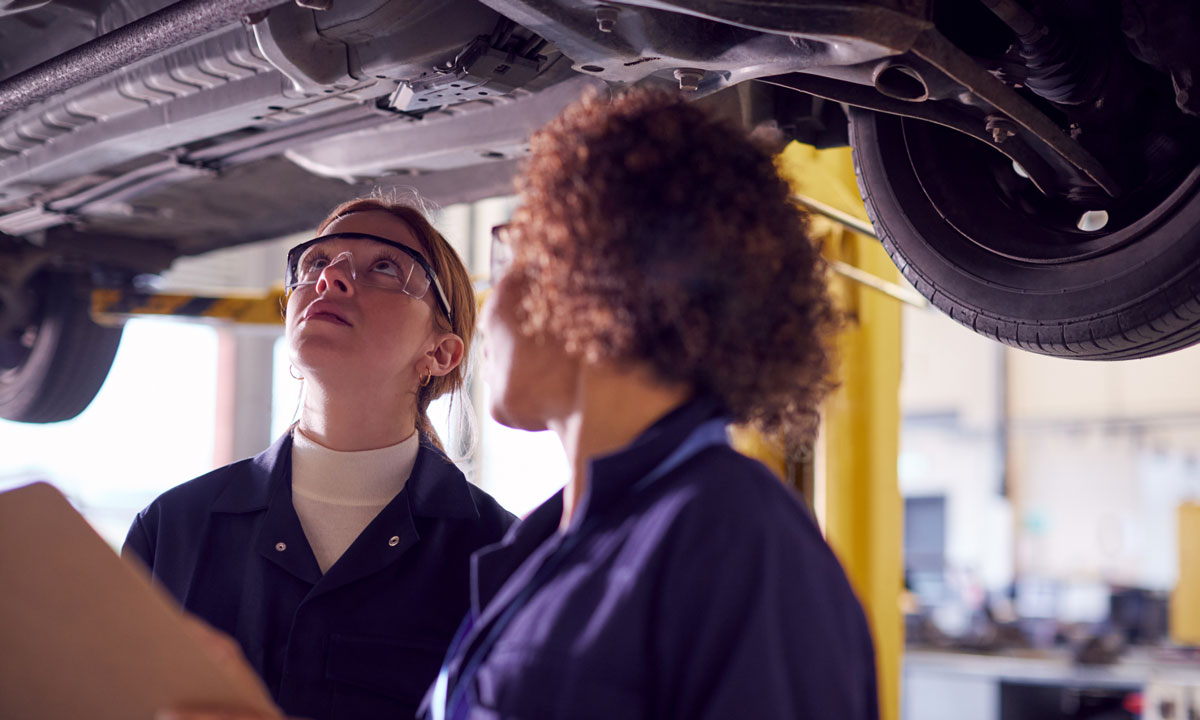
373,222
334,242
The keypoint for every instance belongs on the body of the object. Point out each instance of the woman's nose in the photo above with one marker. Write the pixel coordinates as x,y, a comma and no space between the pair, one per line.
337,275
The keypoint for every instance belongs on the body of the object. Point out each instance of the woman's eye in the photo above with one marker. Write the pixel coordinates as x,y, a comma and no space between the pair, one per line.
314,263
386,266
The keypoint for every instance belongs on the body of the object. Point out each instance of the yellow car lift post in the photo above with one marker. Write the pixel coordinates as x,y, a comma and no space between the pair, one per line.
856,488
1185,599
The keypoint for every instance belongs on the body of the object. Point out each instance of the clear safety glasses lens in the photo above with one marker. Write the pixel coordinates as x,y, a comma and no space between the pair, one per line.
386,268
388,265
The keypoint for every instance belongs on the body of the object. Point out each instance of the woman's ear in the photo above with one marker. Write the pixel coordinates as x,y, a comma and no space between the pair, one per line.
445,355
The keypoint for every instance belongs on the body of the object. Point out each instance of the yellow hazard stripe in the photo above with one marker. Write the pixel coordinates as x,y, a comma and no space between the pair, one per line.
113,305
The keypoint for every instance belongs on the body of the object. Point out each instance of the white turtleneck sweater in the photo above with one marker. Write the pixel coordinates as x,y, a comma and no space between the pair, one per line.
337,494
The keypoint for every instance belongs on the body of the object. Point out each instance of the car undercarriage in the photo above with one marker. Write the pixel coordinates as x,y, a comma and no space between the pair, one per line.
1032,166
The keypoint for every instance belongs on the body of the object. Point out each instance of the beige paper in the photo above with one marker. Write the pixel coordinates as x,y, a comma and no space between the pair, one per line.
85,635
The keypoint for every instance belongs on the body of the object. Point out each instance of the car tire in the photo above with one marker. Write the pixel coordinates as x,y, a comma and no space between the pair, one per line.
1012,266
56,367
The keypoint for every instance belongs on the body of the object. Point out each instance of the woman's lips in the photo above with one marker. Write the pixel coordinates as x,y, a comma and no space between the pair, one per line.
327,311
328,317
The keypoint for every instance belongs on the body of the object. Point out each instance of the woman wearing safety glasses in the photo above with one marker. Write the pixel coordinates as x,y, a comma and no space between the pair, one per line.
338,558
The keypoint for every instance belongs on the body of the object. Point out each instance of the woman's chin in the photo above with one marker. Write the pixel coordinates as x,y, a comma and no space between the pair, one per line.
318,353
512,418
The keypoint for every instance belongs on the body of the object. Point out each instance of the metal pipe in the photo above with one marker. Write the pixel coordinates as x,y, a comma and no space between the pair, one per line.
862,277
844,219
891,289
139,39
220,156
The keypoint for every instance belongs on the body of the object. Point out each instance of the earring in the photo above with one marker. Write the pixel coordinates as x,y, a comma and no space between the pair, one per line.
292,372
427,379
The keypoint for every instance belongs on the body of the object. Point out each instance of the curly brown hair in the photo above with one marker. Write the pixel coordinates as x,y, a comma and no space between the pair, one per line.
654,232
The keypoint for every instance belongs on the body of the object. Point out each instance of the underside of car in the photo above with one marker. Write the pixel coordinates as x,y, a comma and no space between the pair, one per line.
1032,166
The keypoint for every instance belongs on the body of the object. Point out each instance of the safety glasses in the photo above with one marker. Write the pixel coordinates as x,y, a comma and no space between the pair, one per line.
502,252
395,267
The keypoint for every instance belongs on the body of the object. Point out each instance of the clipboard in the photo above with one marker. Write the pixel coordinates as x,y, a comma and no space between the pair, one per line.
86,635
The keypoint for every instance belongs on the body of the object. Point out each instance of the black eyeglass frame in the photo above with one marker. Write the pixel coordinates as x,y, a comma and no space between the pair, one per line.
293,260
498,266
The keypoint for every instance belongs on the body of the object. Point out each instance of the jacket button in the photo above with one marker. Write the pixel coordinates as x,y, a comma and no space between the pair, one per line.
394,541
280,546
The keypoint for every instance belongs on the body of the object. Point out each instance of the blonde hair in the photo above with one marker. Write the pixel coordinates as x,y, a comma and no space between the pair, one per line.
455,280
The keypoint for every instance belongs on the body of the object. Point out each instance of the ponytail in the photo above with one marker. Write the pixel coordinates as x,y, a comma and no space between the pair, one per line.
424,424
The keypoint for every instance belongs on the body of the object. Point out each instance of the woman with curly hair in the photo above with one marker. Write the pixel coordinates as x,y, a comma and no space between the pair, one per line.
655,285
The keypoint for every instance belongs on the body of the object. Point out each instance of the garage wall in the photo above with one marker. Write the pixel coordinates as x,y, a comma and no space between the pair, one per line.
1074,468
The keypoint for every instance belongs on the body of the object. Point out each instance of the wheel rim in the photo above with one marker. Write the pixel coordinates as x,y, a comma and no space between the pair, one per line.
978,191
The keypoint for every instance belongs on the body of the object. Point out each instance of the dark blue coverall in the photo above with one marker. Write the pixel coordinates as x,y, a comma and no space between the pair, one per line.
708,593
362,641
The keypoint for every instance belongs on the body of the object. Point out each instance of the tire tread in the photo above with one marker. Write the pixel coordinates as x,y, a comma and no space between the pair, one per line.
1166,321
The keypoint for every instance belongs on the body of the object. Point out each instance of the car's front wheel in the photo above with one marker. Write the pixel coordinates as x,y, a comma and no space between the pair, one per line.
977,239
54,359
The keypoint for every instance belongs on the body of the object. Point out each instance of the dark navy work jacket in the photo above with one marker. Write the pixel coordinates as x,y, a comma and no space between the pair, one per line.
708,594
362,641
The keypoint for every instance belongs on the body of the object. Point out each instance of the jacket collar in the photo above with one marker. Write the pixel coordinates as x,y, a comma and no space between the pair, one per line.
253,491
436,488
611,478
493,566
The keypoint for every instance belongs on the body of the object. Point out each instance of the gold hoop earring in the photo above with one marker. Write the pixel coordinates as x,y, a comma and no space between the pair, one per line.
427,379
292,372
